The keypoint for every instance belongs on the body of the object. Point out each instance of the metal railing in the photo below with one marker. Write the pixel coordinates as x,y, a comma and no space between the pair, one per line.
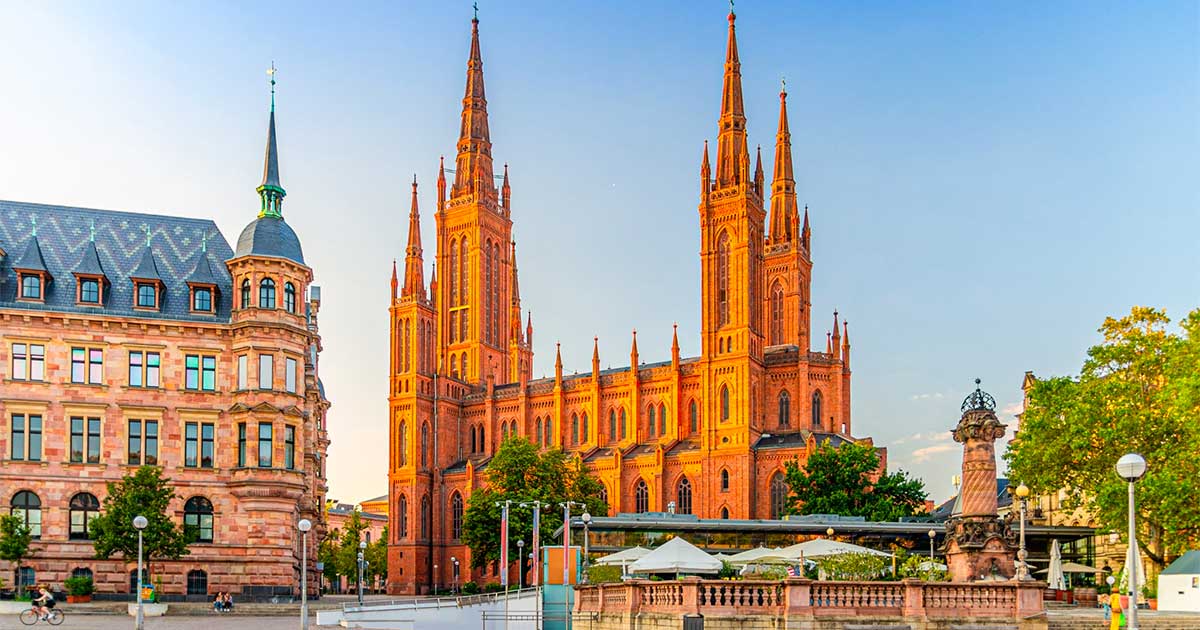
418,603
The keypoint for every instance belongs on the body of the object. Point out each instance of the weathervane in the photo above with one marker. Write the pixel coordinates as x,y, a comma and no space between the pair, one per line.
271,73
475,5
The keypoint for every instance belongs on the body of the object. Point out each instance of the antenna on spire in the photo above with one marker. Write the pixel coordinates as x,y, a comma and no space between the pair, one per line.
271,73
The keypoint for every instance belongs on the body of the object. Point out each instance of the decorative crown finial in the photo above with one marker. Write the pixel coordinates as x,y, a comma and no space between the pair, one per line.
979,400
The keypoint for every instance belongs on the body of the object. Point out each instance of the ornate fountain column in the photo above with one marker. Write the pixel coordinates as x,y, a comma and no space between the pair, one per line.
979,545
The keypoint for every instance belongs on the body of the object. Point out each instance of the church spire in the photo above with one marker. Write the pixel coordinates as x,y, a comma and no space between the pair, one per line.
270,192
783,183
731,141
515,315
473,166
414,264
806,232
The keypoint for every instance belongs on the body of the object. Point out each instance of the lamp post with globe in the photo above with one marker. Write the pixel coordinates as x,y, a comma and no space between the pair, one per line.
362,547
587,520
1131,467
304,525
140,523
1022,553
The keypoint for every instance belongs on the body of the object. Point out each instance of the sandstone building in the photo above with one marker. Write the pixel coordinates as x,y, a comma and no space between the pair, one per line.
705,435
132,340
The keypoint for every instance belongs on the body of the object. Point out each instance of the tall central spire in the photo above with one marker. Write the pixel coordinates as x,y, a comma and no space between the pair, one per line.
473,167
270,192
414,266
783,183
733,160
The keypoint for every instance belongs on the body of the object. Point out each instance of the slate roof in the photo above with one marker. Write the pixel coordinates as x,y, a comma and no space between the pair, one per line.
62,246
90,263
270,236
31,259
1187,564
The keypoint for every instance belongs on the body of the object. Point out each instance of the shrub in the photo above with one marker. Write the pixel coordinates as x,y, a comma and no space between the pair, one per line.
727,571
470,588
492,587
853,566
603,574
79,586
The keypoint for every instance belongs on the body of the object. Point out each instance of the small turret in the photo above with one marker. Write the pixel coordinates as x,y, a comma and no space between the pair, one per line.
506,192
441,185
595,357
395,281
846,345
675,345
837,336
529,329
558,364
758,172
705,174
633,352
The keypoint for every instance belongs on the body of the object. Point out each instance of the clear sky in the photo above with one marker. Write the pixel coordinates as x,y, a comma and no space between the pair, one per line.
987,180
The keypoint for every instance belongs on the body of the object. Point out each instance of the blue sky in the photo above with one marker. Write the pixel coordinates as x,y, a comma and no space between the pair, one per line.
987,181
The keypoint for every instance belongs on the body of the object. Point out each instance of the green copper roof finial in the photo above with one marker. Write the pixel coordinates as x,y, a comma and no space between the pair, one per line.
33,220
271,73
204,242
92,231
730,7
147,236
270,192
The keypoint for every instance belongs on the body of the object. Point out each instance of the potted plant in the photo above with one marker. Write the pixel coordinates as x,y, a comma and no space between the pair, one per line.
1150,592
79,589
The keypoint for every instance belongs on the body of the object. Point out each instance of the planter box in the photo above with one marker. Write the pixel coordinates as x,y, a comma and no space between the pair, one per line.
148,610
78,599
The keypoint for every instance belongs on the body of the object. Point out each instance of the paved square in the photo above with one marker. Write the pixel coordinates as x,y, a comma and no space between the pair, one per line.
118,622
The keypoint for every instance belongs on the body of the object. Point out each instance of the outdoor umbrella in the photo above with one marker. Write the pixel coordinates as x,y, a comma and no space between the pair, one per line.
676,556
1056,579
1132,559
759,555
819,547
624,558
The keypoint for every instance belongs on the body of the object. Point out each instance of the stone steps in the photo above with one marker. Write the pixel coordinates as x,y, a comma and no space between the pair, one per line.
1147,620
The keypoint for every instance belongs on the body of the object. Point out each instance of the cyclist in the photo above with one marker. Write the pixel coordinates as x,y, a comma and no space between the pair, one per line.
43,602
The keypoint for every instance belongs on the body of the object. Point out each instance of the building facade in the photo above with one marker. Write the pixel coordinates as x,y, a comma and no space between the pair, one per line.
132,340
706,435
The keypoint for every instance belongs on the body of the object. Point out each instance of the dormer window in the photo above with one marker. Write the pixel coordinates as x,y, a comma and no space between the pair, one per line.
89,291
147,295
202,299
31,287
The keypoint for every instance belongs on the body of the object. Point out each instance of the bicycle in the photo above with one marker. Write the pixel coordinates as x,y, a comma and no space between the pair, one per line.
30,617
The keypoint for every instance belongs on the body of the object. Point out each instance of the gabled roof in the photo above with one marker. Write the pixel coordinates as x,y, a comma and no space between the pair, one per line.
89,264
202,273
1187,564
64,233
147,269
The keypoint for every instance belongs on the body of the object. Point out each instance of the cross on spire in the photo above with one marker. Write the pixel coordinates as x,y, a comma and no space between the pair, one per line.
475,5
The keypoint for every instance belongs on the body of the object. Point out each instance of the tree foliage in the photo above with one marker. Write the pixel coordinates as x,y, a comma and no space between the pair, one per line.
146,493
852,566
1138,391
842,480
521,473
15,539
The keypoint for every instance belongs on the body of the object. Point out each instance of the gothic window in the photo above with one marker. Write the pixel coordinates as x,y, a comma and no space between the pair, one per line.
776,327
724,403
28,508
463,367
289,297
583,435
723,279
403,443
474,446
425,522
816,410
652,411
693,417
725,513
612,425
198,520
246,293
456,516
84,507
662,419
487,291
453,273
549,431
575,428
266,293
785,409
724,480
402,521
622,414
496,285
538,427
778,491
604,494
641,497
425,445
454,365
683,497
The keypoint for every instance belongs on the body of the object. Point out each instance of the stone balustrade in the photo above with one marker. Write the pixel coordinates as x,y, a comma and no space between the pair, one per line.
909,599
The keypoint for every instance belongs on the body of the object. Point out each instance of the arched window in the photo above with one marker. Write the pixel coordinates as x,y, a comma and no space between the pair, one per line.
653,412
776,313
403,443
683,496
785,409
425,445
402,520
289,297
81,572
425,517
612,425
724,403
84,507
198,520
537,422
482,443
549,432
456,516
197,582
693,417
575,428
454,365
622,414
662,419
474,446
487,291
641,497
723,279
266,293
28,507
463,367
725,513
453,273
724,480
583,435
246,293
816,410
604,494
778,490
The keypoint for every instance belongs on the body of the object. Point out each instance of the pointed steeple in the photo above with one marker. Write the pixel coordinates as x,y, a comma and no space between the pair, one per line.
675,345
758,171
441,184
529,329
595,356
783,183
506,191
414,264
270,192
395,281
473,166
732,155
633,351
705,174
846,344
837,336
806,232
558,363
515,313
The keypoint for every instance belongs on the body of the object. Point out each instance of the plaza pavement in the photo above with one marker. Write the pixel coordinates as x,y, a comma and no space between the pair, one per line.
122,622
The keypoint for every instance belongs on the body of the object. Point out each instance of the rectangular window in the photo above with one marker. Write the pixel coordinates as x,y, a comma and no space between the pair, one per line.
202,299
289,448
89,291
191,445
85,432
266,371
76,439
78,365
152,442
289,377
243,360
17,436
241,452
95,366
191,371
134,448
265,439
147,295
93,441
20,362
137,368
152,368
208,374
206,445
37,362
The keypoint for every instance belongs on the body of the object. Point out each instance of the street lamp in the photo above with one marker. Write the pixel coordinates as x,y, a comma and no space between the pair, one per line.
362,547
587,520
304,525
1131,467
454,561
140,523
1022,553
435,579
520,564
829,532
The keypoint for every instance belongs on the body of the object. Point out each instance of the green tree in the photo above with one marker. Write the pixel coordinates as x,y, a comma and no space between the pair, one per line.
522,473
346,556
15,539
327,555
1138,391
147,493
376,555
842,480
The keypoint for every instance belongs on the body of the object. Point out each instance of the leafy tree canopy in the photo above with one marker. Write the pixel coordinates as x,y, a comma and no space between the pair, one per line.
521,473
15,539
147,493
1138,391
841,480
